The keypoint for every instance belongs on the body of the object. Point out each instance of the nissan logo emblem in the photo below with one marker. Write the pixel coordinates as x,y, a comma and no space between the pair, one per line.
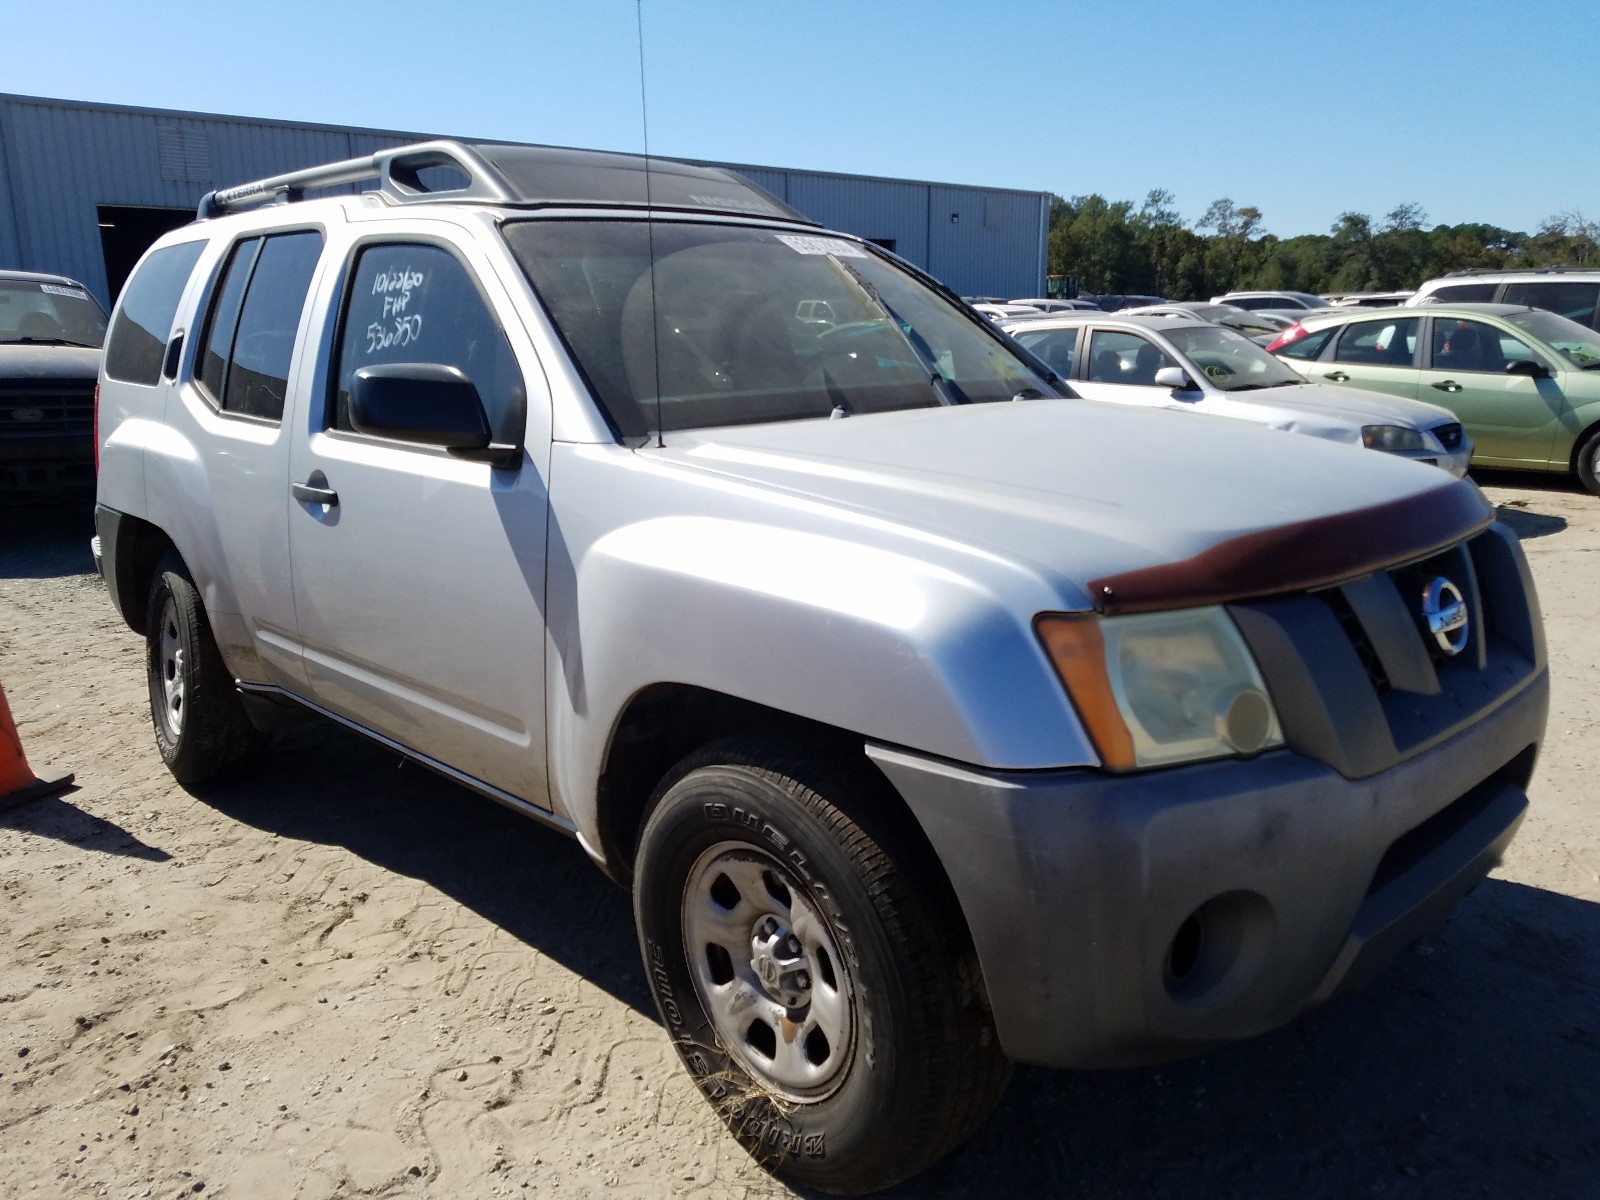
1446,615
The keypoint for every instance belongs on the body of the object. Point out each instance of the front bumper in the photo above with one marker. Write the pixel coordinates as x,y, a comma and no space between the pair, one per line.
1135,919
1455,461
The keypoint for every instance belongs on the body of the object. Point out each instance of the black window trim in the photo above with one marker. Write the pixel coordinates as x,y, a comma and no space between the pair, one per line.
189,370
326,424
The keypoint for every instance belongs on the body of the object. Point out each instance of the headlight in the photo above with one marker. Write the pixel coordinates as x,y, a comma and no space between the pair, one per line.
1392,438
1161,688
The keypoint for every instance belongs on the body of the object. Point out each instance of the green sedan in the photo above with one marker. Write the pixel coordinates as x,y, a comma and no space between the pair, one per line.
1524,382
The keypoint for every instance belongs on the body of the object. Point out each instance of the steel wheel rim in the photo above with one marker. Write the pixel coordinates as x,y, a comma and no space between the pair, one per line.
174,693
784,1009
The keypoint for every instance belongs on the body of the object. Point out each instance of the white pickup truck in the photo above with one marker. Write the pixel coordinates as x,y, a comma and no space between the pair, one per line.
937,719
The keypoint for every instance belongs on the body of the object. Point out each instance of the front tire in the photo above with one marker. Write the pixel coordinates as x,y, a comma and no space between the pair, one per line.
1587,462
201,727
811,964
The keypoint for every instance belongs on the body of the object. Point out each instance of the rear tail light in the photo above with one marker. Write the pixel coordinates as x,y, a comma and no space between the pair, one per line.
1288,337
96,427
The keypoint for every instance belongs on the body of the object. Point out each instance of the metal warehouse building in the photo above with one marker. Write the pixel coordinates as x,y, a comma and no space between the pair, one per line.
85,188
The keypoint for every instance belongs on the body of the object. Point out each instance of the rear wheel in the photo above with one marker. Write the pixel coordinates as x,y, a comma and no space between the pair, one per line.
812,966
201,727
1587,460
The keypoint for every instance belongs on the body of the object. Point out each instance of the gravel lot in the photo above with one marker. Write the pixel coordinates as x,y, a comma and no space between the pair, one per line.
348,977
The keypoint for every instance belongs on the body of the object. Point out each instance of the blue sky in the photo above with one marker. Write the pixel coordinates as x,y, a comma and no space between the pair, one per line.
1476,110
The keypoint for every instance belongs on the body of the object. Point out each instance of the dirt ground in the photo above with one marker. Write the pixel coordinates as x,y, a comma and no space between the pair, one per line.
347,977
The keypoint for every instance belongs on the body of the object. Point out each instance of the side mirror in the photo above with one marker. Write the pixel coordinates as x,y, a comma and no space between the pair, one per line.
428,404
1175,378
1528,367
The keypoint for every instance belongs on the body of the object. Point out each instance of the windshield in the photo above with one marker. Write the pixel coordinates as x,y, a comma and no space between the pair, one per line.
51,314
1579,344
753,325
1230,361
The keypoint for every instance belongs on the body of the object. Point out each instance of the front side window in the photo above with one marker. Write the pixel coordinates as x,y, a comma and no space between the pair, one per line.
1575,301
1473,346
1230,361
1576,343
737,325
250,332
1387,343
410,302
138,339
1118,357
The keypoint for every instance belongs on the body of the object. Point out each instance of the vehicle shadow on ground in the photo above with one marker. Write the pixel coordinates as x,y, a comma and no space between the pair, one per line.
1471,1068
47,541
326,784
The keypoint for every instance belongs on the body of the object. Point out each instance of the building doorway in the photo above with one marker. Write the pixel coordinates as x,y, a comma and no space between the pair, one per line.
126,232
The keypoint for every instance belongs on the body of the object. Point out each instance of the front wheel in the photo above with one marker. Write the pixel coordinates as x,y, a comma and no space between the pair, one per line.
811,965
201,727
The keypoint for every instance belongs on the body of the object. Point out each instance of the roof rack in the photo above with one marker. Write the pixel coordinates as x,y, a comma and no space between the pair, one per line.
1519,270
506,173
398,172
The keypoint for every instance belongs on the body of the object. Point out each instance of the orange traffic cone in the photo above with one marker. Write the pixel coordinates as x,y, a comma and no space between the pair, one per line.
18,783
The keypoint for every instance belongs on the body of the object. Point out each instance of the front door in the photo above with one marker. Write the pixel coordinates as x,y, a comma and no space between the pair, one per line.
1513,419
1122,366
419,577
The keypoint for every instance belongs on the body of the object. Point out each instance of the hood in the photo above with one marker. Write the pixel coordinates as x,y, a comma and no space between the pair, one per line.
1356,405
1080,493
20,363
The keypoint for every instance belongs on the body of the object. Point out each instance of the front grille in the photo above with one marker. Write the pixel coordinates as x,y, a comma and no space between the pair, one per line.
1449,435
1359,641
42,412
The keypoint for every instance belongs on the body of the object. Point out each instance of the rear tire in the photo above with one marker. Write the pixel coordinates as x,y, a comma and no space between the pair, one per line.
812,966
1587,461
200,723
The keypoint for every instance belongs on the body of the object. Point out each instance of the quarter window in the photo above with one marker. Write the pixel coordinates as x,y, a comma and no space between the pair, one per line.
250,333
138,338
1386,343
1461,293
414,303
1116,357
1474,346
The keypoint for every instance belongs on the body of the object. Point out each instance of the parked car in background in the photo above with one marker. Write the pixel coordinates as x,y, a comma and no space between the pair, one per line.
1523,381
1053,306
50,334
1250,324
1271,300
1188,363
1571,292
1004,312
1367,299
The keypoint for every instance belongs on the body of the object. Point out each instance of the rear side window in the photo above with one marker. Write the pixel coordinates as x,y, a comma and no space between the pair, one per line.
1386,343
1307,347
138,338
1575,301
412,303
1462,293
250,332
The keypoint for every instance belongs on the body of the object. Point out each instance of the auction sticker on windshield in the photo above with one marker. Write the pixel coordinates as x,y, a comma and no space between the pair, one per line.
822,245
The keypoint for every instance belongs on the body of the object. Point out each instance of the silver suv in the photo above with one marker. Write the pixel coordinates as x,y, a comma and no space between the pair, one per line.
1572,292
936,719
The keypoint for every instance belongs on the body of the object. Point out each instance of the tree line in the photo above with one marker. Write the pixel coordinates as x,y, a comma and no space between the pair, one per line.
1111,247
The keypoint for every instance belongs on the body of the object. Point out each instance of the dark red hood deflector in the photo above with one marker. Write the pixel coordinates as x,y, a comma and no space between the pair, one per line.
1305,555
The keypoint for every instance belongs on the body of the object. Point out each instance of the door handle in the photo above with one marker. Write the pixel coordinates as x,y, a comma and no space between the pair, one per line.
1447,385
1336,376
315,490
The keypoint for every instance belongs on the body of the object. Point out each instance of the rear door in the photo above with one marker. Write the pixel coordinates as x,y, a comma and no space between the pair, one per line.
419,579
1513,419
1378,355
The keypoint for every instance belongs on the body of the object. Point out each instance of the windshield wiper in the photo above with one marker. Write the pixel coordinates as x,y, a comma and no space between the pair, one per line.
946,390
1256,387
39,341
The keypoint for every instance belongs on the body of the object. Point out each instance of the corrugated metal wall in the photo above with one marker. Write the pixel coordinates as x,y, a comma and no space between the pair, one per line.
59,160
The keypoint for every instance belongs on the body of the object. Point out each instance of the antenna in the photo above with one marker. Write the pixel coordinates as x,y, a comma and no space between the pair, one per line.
649,221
